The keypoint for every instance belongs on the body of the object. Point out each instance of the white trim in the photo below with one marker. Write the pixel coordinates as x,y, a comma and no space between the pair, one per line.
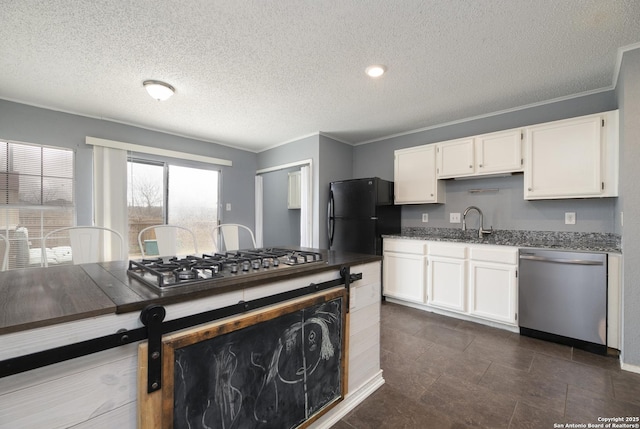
621,52
94,141
329,136
350,402
462,316
629,367
317,133
488,115
283,166
306,206
130,124
259,210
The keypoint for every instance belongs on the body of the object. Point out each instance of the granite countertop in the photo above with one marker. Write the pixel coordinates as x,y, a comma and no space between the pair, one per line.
38,297
573,241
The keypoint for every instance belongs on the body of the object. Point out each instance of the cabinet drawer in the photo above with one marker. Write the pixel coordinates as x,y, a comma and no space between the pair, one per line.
448,250
499,255
417,247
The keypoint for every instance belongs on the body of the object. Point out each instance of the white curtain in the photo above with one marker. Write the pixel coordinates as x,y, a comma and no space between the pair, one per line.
110,194
259,211
306,238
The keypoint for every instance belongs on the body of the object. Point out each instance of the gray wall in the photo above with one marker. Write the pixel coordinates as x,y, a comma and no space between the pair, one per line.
299,150
505,208
336,163
282,225
628,92
19,122
331,160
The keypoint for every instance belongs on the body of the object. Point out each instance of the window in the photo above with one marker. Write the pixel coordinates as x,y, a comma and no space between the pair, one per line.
36,197
160,193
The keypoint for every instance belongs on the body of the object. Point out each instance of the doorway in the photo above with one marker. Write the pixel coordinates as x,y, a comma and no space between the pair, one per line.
283,205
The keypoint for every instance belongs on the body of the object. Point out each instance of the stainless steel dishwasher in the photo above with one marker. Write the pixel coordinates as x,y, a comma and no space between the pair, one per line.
562,297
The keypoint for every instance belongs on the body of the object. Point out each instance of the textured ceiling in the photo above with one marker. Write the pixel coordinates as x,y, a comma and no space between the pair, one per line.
254,74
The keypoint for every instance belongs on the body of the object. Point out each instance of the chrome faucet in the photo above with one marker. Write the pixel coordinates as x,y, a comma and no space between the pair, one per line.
481,230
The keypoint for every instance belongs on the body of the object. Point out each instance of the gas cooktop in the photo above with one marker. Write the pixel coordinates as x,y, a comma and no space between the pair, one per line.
170,272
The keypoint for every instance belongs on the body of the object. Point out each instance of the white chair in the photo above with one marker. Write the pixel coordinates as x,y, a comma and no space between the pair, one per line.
88,244
230,234
5,253
167,240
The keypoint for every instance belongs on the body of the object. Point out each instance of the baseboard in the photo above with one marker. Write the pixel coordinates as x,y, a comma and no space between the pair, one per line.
629,367
455,315
351,401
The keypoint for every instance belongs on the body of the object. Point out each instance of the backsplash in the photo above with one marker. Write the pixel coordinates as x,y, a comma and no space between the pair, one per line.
606,242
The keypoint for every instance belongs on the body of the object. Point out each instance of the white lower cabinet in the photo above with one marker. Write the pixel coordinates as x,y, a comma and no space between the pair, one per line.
477,280
493,283
492,291
447,276
404,270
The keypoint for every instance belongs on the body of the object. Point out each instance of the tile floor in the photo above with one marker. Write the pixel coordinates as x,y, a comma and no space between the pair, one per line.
443,372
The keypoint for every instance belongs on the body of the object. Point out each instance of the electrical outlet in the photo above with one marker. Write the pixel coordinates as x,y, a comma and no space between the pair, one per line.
570,218
425,217
454,217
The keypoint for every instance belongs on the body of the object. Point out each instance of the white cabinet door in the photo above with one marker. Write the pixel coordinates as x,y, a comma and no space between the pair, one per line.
404,276
572,158
456,158
499,152
447,283
492,291
415,176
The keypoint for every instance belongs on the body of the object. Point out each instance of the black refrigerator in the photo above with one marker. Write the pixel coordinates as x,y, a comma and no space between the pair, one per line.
360,212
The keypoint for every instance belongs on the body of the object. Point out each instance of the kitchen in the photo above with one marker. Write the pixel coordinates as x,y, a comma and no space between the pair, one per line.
334,160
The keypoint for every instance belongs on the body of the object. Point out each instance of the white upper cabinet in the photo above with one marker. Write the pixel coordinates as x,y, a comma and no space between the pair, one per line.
415,176
572,158
499,152
493,153
456,158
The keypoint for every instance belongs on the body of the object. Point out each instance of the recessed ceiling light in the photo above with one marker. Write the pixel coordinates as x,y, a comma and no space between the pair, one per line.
376,70
159,90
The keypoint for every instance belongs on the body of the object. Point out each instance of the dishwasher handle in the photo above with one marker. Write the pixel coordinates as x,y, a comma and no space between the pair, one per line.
531,257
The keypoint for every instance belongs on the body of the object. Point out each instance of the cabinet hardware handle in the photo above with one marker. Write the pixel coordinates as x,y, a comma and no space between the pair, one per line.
471,166
530,189
480,165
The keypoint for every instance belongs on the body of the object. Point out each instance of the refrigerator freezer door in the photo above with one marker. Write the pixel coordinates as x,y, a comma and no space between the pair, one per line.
355,235
354,198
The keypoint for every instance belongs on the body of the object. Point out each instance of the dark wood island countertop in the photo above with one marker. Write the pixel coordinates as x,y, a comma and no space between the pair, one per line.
37,297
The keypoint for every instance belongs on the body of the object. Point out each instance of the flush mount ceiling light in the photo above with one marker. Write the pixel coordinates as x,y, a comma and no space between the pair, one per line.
375,70
159,90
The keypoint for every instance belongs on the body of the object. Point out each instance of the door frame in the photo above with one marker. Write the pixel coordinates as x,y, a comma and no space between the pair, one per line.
308,222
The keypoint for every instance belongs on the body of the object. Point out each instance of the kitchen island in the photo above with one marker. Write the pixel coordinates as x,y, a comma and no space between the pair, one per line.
46,308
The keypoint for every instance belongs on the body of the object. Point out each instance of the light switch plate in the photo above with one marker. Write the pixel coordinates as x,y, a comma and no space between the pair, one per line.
425,217
228,207
570,218
454,217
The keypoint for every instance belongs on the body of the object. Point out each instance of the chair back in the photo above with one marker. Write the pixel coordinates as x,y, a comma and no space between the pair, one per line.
88,244
167,240
230,235
4,253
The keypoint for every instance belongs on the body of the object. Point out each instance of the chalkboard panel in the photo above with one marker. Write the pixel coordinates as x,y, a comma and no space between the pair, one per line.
277,368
